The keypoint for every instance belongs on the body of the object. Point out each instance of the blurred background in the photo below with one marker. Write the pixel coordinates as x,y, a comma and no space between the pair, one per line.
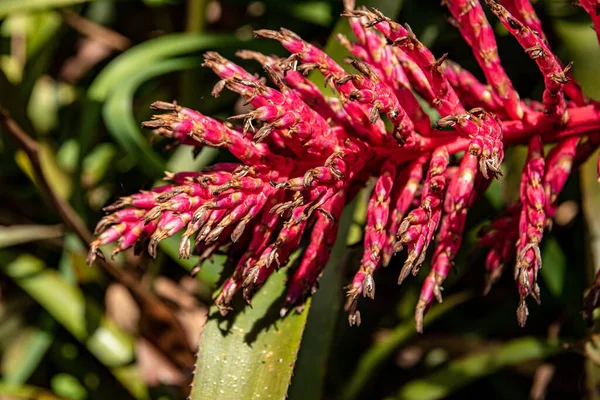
78,76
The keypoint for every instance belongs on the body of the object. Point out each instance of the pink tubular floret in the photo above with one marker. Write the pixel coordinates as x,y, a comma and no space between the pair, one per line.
554,75
478,34
531,226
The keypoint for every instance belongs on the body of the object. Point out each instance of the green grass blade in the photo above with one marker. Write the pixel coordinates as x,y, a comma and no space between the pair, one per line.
373,359
461,372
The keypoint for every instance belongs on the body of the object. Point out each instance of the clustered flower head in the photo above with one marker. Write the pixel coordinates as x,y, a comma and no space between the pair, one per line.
303,156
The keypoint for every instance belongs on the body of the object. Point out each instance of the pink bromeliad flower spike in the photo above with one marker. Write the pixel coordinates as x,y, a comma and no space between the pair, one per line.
302,155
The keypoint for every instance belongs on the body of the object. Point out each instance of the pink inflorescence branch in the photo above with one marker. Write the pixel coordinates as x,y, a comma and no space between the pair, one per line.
303,156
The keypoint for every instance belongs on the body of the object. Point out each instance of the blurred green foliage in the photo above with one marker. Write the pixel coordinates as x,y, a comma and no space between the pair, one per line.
79,76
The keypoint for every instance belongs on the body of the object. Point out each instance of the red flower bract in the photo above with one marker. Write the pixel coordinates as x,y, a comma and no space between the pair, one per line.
303,156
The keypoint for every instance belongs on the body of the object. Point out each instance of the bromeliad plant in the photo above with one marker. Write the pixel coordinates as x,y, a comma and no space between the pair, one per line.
303,156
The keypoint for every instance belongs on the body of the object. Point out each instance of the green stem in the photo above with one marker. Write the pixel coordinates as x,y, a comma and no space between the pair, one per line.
196,16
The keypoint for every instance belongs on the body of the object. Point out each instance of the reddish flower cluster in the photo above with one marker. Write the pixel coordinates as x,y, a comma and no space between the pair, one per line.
303,156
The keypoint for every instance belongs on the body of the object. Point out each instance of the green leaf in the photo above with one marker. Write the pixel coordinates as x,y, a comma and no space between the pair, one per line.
26,351
28,392
72,264
68,386
37,29
67,305
313,12
23,6
97,163
512,167
19,234
590,191
43,105
135,60
183,159
580,46
57,178
43,27
555,267
119,119
375,356
67,155
359,216
252,352
461,372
